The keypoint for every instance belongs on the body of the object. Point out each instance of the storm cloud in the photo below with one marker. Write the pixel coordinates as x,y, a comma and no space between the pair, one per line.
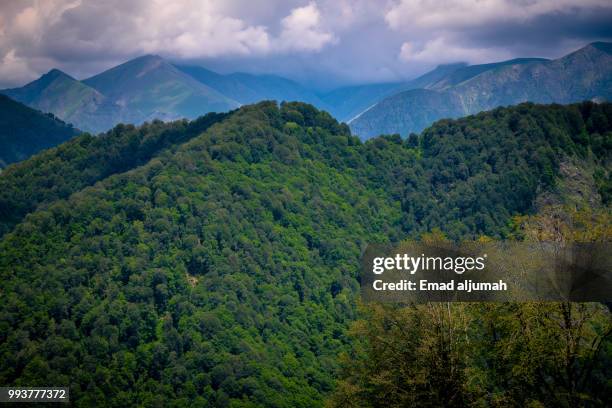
323,42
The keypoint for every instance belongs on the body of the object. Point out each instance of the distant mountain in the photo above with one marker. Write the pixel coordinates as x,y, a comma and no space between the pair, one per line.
142,89
25,131
71,100
347,102
247,88
396,114
582,75
469,71
149,87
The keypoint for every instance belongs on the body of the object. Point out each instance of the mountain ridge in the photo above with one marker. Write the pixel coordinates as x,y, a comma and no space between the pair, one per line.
149,87
585,74
25,131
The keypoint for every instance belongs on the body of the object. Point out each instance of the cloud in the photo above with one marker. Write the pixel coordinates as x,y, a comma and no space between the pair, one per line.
440,50
73,31
479,31
301,30
14,69
358,40
453,14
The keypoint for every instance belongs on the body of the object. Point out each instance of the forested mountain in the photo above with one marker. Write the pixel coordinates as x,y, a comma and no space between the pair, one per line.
582,75
223,271
57,173
25,131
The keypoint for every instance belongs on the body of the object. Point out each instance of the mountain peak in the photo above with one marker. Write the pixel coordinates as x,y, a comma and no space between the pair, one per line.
54,74
148,58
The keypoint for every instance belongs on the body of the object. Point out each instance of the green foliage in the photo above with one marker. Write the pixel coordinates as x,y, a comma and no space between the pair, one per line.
478,355
25,131
57,173
187,264
542,354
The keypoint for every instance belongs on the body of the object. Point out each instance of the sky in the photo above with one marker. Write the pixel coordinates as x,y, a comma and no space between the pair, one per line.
322,43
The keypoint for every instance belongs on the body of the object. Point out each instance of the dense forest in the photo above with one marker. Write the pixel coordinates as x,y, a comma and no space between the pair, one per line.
215,262
58,172
25,131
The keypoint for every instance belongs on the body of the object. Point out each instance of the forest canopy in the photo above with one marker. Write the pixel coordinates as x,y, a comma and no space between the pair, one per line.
215,262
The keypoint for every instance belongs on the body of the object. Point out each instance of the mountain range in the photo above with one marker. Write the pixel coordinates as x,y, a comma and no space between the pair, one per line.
585,74
150,87
142,89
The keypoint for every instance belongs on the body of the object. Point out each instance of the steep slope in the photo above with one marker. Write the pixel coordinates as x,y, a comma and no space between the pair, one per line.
398,113
25,131
347,102
149,87
68,99
583,75
224,271
248,88
57,173
467,72
231,277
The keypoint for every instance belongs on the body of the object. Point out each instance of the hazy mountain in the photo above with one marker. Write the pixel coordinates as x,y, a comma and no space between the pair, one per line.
68,99
149,87
347,102
247,88
469,71
25,131
142,89
396,114
582,75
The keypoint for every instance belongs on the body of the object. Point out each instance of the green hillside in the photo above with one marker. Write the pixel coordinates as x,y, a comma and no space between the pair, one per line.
25,131
57,173
223,272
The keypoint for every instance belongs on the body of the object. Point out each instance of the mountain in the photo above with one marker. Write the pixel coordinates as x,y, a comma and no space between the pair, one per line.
57,173
585,74
223,269
68,99
406,112
149,87
140,90
347,102
25,131
247,88
469,71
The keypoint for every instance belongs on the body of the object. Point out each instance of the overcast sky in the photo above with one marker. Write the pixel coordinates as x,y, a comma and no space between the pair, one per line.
322,42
